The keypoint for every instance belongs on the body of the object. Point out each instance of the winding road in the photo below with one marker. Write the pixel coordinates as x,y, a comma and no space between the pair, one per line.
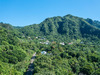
31,66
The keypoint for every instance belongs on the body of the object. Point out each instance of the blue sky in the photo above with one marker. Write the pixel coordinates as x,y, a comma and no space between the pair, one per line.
26,12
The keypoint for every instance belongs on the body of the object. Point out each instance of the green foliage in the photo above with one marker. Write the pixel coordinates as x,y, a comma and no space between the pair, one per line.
14,49
87,69
64,29
74,60
81,57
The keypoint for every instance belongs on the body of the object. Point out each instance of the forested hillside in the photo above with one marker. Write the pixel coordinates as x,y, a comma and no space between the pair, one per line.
64,28
94,23
74,59
71,43
15,51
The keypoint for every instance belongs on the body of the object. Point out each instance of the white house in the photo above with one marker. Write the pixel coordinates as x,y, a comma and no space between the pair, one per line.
62,43
43,52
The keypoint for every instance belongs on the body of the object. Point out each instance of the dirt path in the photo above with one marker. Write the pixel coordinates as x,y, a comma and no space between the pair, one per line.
31,66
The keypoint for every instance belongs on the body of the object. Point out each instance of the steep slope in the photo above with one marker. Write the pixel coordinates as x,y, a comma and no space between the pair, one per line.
9,45
13,51
63,28
94,23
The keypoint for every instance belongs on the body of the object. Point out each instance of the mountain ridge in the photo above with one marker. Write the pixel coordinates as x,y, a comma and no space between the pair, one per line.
67,39
68,27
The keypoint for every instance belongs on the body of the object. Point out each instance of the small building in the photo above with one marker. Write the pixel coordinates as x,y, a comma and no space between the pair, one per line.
70,43
36,37
81,42
62,43
29,37
43,52
47,42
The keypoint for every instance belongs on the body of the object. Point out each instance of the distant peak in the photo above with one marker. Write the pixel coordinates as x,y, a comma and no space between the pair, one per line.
68,15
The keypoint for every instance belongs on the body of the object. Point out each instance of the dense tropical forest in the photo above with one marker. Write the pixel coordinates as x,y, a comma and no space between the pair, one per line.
71,43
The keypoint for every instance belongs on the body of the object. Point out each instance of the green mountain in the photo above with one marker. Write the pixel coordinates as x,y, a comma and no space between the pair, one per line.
64,28
82,56
94,23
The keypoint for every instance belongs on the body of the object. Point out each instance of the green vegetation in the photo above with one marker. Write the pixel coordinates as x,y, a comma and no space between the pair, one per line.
68,60
64,29
72,45
15,51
